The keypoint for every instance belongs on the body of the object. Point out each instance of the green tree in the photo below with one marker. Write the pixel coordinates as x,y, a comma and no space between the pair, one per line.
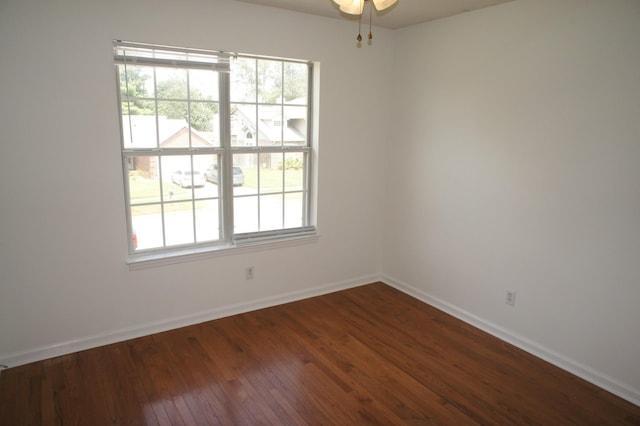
243,80
295,81
268,75
133,86
202,112
269,81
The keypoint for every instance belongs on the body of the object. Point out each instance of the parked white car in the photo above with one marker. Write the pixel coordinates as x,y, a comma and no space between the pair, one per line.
187,178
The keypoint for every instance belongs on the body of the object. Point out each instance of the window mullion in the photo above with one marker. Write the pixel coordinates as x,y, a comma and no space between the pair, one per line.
284,190
226,166
308,155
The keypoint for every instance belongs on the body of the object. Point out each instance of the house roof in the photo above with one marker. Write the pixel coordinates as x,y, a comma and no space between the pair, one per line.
139,131
267,129
180,139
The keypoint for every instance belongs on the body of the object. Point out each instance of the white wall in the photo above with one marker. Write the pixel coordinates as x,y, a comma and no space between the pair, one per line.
513,164
517,166
64,281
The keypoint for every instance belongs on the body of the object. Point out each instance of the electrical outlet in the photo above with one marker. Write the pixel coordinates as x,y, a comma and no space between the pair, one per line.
510,299
248,273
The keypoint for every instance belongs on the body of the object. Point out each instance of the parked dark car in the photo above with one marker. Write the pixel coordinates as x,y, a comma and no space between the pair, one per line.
211,175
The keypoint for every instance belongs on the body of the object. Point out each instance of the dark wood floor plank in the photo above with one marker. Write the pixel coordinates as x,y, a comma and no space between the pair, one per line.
465,363
368,355
290,371
460,374
126,384
345,354
292,334
142,351
227,364
188,360
445,374
547,390
83,397
270,369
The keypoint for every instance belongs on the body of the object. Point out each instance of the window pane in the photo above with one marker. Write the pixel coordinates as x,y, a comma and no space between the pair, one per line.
171,83
209,165
243,80
295,130
144,180
269,81
245,214
294,168
203,85
178,223
136,83
205,124
243,125
271,216
212,175
248,164
270,126
139,131
271,173
176,177
172,124
294,210
296,78
237,175
207,223
146,222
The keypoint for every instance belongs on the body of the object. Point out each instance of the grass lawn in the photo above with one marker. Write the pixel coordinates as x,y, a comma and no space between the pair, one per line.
144,190
273,178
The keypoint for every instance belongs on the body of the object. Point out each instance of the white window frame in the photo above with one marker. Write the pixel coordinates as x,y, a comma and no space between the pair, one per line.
144,54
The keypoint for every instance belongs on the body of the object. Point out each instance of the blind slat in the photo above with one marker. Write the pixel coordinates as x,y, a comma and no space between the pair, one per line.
159,56
171,63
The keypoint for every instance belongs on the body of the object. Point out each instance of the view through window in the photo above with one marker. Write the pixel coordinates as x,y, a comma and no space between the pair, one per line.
215,146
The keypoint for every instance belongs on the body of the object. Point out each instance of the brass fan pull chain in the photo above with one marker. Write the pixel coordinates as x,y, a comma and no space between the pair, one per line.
370,13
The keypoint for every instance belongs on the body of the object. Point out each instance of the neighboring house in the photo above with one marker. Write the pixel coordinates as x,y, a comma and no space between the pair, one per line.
142,131
275,126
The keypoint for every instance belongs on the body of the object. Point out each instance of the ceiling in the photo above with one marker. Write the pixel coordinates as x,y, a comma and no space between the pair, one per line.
402,14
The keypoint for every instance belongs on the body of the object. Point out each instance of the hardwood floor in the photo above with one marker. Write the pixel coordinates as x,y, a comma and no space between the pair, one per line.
368,355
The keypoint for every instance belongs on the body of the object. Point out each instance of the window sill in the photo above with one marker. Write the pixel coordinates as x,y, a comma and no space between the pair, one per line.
152,260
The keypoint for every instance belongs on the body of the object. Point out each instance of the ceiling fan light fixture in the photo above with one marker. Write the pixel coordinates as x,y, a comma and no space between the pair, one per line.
356,7
383,4
352,7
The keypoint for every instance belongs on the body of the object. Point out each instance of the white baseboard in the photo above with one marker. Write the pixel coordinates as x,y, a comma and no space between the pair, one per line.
582,371
593,376
89,342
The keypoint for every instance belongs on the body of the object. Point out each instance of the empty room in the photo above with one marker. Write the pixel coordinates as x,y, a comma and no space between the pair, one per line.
320,212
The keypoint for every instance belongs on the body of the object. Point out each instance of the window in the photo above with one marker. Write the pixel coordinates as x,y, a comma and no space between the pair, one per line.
207,163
